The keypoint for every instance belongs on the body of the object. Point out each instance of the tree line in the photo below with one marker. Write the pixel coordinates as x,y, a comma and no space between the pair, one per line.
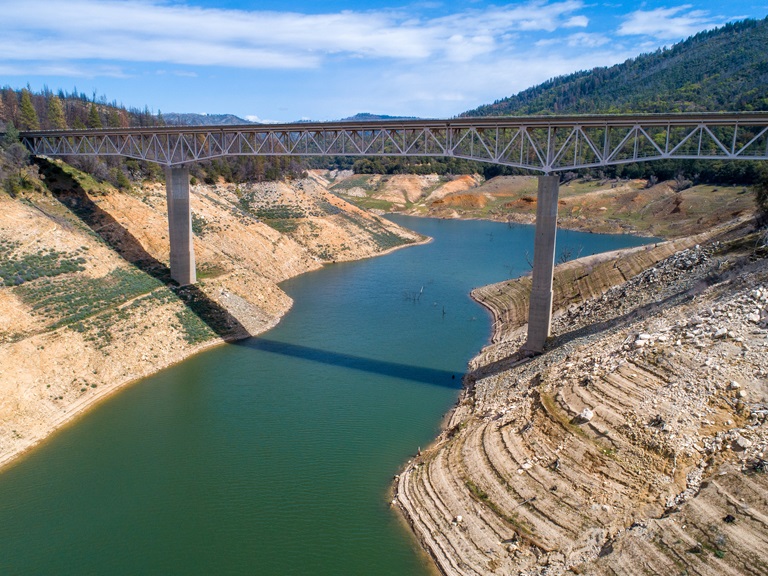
27,110
46,110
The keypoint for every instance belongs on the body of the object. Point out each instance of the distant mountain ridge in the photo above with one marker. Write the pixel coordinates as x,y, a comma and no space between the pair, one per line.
366,116
725,69
189,119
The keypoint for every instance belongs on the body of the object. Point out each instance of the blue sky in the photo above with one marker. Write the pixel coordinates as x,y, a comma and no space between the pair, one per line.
280,61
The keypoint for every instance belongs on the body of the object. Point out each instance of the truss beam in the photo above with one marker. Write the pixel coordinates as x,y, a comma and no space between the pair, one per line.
543,144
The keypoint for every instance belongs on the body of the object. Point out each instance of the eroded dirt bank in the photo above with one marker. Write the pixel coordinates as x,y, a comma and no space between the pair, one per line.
635,445
664,209
86,301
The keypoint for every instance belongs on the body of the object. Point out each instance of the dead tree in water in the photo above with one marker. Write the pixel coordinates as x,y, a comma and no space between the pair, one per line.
413,296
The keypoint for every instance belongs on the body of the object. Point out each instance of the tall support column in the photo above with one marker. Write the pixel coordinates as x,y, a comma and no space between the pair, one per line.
540,309
180,225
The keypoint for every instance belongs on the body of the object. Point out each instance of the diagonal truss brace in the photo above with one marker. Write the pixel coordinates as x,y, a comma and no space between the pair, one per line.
544,144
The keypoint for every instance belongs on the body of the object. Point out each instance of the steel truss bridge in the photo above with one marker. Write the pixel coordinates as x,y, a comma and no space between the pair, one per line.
544,144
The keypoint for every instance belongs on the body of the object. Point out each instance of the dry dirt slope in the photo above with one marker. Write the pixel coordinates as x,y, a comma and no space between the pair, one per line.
86,303
635,445
596,205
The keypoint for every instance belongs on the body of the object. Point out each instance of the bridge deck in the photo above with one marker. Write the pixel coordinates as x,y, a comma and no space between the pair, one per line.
540,143
545,144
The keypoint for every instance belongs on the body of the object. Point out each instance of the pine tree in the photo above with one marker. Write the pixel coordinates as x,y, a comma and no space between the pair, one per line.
10,105
56,114
28,116
11,136
94,120
113,118
761,198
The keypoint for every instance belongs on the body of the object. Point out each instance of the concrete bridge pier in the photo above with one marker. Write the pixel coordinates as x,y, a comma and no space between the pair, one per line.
180,225
540,308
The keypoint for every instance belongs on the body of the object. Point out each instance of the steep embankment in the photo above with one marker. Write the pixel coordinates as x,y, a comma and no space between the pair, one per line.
575,281
86,303
408,193
666,209
607,206
635,444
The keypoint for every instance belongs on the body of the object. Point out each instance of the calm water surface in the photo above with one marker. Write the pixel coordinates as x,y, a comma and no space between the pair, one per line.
274,455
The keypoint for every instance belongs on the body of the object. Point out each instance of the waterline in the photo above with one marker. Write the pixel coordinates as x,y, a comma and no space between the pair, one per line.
274,455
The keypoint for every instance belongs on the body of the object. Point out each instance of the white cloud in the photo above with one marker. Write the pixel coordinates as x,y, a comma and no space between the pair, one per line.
66,70
255,118
578,40
171,33
410,62
667,23
577,22
585,40
440,91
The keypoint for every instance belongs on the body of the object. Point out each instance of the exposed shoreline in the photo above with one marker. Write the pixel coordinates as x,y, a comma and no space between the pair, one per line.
71,337
571,224
86,403
458,511
569,283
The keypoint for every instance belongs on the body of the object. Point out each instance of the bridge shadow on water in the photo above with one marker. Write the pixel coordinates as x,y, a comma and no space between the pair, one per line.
432,376
72,196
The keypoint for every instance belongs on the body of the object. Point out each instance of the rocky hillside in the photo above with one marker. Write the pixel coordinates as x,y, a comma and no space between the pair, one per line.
636,444
668,209
86,301
395,192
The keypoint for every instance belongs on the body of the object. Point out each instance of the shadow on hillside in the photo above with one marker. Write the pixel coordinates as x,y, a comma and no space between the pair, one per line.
384,367
597,328
636,314
72,196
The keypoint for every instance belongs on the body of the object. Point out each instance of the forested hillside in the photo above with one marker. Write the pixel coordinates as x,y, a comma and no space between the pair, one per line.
46,110
27,110
725,69
718,70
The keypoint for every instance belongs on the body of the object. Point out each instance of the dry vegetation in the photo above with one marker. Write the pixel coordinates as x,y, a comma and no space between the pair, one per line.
635,444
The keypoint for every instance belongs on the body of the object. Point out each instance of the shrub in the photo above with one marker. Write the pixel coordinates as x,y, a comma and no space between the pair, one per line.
761,200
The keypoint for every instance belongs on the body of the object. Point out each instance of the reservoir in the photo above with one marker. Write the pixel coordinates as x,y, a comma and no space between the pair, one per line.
275,455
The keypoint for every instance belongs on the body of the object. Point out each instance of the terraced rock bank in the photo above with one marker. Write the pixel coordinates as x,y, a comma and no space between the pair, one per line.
636,444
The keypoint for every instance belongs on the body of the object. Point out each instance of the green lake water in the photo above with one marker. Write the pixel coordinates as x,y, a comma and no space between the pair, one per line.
275,455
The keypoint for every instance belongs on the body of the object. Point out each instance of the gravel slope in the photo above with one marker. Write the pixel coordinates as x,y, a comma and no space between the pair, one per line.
634,445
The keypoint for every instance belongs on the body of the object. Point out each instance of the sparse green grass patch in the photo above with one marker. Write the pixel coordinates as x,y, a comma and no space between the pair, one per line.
65,301
193,328
383,238
358,181
283,225
17,268
368,203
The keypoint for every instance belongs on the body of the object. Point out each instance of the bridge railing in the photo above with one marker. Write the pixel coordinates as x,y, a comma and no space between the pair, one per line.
545,144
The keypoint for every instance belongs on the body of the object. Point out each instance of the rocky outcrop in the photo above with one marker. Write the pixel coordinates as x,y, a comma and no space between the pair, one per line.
636,444
577,281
